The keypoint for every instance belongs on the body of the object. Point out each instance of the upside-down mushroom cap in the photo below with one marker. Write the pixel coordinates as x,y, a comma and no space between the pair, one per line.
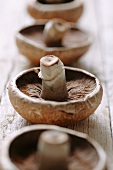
33,44
84,96
19,151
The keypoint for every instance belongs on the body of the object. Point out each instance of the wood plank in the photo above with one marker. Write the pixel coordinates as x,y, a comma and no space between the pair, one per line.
13,16
98,126
105,24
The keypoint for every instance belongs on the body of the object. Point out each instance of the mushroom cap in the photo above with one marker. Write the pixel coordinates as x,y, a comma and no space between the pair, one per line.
69,11
85,94
19,150
75,43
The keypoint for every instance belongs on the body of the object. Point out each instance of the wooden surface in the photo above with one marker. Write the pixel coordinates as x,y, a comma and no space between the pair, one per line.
98,19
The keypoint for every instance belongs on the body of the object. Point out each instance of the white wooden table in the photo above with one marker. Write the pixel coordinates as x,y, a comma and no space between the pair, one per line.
98,19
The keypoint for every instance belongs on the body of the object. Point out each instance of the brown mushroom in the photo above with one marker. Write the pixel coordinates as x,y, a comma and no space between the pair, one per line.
56,37
69,10
84,96
71,150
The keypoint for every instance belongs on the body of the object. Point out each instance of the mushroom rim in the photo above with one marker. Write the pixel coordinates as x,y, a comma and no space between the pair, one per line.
21,95
89,41
56,7
7,143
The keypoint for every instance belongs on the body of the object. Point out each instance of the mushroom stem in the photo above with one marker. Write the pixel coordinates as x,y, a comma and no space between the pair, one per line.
54,31
52,74
53,147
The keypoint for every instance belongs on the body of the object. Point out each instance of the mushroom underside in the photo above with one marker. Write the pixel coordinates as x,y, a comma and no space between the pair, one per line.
74,38
79,85
83,155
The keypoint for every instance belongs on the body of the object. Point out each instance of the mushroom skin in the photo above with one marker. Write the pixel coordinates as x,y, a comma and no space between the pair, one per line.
54,31
41,111
69,11
69,51
53,78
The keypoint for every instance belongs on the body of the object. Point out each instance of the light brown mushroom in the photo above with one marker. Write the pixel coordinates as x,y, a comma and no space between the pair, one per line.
69,10
71,149
84,96
57,37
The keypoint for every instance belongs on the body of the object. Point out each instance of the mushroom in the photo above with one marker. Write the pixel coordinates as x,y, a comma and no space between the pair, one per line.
46,147
69,10
35,104
56,37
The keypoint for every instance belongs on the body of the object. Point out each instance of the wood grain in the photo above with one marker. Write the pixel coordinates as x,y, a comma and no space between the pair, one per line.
98,19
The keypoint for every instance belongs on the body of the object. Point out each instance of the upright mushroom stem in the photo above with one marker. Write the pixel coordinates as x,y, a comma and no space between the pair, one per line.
54,31
52,74
53,148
